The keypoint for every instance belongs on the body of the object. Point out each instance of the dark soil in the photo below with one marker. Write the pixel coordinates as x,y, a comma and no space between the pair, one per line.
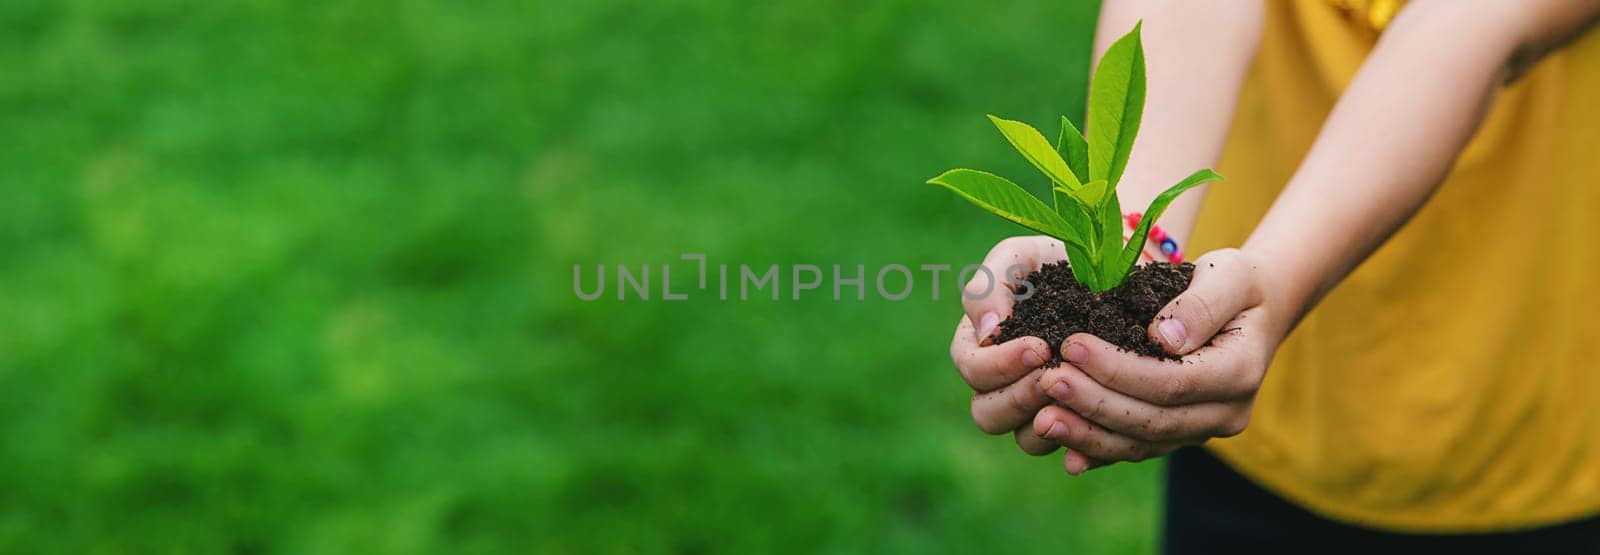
1060,307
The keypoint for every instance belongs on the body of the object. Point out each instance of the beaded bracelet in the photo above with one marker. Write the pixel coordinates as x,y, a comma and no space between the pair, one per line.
1169,246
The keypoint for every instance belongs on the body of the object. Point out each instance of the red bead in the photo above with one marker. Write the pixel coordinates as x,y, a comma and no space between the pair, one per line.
1176,257
1133,219
1156,234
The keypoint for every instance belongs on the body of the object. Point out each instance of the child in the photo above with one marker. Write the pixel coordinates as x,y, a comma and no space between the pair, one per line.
1446,390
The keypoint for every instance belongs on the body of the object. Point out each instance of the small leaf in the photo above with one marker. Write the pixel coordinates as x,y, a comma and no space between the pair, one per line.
1077,217
1037,150
1130,252
1062,199
1090,195
1083,267
1074,148
1110,240
1116,105
1005,199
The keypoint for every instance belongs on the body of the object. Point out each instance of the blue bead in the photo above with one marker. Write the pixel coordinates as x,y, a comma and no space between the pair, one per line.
1168,246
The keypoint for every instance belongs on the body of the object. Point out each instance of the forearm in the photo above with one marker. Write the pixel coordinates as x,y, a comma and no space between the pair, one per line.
1389,142
1197,53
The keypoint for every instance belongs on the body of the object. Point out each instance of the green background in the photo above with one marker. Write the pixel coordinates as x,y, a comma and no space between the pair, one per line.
296,277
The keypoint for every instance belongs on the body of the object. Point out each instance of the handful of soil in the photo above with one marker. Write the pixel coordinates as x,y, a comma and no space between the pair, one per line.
1060,307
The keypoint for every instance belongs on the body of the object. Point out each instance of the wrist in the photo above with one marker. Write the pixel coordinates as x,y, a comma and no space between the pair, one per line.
1281,288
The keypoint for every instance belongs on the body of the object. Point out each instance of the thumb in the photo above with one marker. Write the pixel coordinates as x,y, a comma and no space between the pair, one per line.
1224,285
987,297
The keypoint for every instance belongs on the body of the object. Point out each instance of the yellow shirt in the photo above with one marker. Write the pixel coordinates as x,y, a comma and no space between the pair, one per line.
1452,382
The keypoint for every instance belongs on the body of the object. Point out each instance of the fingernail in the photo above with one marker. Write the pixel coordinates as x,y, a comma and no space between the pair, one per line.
987,325
1031,359
1075,352
1173,331
1057,430
1060,391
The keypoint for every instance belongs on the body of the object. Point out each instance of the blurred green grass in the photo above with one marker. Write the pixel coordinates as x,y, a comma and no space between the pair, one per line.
285,276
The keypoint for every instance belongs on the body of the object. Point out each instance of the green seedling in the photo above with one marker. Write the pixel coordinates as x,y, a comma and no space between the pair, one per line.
1083,174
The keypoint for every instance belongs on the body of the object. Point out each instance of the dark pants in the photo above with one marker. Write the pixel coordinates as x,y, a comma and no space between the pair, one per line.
1212,509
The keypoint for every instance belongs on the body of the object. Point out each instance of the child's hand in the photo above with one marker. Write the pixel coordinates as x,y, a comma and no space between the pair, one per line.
1123,407
1004,377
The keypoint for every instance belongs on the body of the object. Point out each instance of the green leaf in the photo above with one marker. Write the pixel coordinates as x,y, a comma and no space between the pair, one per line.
1038,151
1130,252
1116,104
1062,199
1083,267
1005,199
1090,195
1110,241
1074,148
1077,217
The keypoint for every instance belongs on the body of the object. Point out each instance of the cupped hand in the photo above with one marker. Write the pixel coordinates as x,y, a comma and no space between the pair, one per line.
1119,406
1005,378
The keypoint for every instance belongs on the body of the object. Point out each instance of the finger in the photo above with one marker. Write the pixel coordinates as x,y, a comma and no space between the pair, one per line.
986,298
1135,418
1224,285
1011,406
1216,373
1077,463
1032,444
1077,434
986,368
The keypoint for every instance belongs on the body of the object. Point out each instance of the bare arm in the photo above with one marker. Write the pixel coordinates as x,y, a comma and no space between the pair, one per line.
1199,52
1396,132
